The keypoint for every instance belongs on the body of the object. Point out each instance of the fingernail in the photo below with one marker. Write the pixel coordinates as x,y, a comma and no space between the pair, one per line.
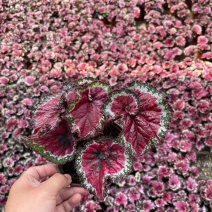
68,177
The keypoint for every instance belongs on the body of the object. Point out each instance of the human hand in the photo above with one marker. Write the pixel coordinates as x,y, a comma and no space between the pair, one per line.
53,195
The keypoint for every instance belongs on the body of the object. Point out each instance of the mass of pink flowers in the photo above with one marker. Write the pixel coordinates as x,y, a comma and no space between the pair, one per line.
46,44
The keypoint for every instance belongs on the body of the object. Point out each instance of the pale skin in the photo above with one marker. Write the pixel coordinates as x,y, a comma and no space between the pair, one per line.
53,195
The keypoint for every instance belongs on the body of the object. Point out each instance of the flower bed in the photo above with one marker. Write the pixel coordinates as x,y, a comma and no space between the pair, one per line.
45,45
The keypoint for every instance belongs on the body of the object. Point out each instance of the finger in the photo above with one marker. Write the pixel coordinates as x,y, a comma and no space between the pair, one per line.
31,177
39,172
56,183
66,193
70,203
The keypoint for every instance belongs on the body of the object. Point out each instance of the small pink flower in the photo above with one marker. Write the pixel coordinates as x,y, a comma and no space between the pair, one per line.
121,199
29,80
11,123
184,146
4,80
2,179
194,172
202,40
197,28
27,102
160,203
167,197
174,182
203,106
91,206
180,41
3,148
148,205
194,198
179,105
55,73
208,193
133,194
137,166
158,188
181,206
199,94
130,180
191,185
182,166
164,172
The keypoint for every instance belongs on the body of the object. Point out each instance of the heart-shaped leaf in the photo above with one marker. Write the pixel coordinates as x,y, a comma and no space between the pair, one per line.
87,114
149,125
144,113
48,114
122,103
58,145
100,161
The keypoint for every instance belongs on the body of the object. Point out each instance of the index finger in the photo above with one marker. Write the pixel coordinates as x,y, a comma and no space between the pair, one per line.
39,172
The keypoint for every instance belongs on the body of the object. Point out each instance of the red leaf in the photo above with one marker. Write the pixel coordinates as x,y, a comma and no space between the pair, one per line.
87,113
102,160
47,115
144,113
57,146
122,103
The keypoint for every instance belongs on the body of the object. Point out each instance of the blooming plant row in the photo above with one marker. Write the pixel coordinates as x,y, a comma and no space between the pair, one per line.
163,43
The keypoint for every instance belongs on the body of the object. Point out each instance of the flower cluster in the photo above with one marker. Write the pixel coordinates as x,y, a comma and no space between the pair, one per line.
165,43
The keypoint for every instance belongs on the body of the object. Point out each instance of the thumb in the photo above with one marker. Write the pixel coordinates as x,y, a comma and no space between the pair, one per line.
56,183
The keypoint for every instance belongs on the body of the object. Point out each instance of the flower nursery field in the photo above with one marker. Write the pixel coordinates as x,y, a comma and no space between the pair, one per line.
46,46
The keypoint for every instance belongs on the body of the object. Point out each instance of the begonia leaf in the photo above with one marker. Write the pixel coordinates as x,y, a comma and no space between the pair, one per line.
102,160
48,114
58,145
122,103
87,114
149,125
144,113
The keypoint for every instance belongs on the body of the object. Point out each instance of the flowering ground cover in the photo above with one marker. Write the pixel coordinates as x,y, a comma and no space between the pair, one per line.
45,45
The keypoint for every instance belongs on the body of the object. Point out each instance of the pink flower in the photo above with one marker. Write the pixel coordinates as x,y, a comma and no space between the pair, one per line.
203,106
160,203
174,182
3,148
158,188
133,194
191,185
29,80
197,28
91,206
194,172
181,206
4,80
121,199
148,205
2,179
180,41
185,146
130,180
208,193
11,123
202,40
182,166
27,102
179,105
164,172
137,166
